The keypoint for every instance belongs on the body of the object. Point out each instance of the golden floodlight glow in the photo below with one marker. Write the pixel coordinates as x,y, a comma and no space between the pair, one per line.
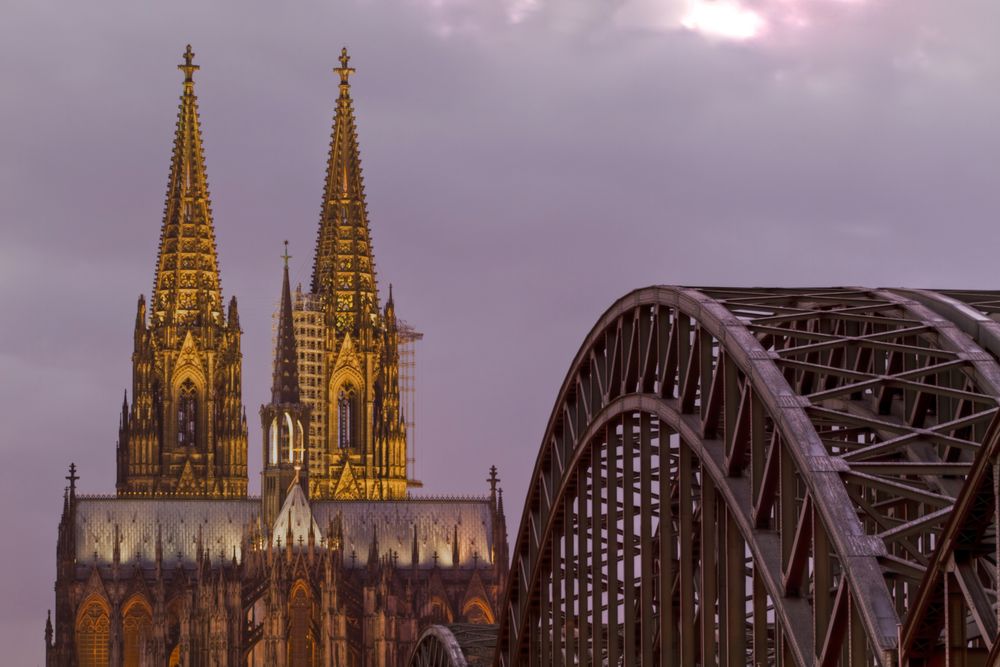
723,19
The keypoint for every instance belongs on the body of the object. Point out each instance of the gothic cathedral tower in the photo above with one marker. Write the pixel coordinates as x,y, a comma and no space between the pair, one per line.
185,432
361,448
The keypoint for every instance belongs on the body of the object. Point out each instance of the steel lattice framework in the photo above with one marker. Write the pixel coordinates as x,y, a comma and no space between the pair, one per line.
767,477
456,645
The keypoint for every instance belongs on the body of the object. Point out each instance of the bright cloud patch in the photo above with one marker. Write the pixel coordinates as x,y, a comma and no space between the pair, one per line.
724,20
730,20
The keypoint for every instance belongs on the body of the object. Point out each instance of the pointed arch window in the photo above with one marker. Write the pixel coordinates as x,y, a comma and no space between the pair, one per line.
136,628
478,612
301,642
346,417
92,633
187,414
273,441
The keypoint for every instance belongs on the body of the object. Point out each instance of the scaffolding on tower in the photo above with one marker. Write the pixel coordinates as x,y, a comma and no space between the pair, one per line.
408,337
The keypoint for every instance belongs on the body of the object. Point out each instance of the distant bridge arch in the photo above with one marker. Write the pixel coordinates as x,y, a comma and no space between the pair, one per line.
767,477
456,645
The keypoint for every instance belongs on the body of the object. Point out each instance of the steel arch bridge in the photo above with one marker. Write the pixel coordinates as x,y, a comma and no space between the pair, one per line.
767,477
456,645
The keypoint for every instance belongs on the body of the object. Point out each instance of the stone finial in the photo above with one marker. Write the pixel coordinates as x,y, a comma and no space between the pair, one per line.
344,71
72,478
189,68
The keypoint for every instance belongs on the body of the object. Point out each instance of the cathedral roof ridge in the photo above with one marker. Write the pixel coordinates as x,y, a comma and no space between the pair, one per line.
458,497
165,497
447,498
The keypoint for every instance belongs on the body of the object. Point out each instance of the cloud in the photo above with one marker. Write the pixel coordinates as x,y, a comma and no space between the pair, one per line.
738,20
723,20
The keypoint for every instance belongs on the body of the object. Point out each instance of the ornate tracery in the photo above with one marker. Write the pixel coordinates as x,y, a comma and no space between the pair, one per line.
346,417
137,624
183,429
187,415
301,640
92,636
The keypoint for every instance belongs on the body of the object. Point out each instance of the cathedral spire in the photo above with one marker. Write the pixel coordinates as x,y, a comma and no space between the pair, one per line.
285,389
285,420
187,288
344,266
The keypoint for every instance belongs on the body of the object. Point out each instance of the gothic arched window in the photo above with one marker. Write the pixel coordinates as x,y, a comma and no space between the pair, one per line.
136,627
187,414
273,440
288,437
346,417
301,643
478,612
92,633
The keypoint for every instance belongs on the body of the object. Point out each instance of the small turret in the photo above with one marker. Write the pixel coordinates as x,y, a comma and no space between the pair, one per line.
72,477
373,548
493,480
140,315
233,316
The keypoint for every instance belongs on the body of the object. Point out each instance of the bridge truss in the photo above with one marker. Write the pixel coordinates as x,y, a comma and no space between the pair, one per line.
767,477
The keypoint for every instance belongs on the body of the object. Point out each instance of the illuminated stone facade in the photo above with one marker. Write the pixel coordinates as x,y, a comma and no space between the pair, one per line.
185,431
333,564
361,453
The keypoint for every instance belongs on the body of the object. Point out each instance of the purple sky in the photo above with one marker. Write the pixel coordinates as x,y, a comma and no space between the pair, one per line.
526,162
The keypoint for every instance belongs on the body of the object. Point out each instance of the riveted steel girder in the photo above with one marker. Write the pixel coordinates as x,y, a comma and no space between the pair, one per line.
737,476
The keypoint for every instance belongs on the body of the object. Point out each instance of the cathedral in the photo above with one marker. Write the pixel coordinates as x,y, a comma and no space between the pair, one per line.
335,563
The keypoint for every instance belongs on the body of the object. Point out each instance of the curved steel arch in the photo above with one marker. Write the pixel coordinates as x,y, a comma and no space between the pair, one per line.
456,645
737,475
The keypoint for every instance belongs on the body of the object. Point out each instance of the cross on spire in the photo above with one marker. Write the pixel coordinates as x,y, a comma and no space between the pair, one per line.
286,256
344,71
189,68
72,477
